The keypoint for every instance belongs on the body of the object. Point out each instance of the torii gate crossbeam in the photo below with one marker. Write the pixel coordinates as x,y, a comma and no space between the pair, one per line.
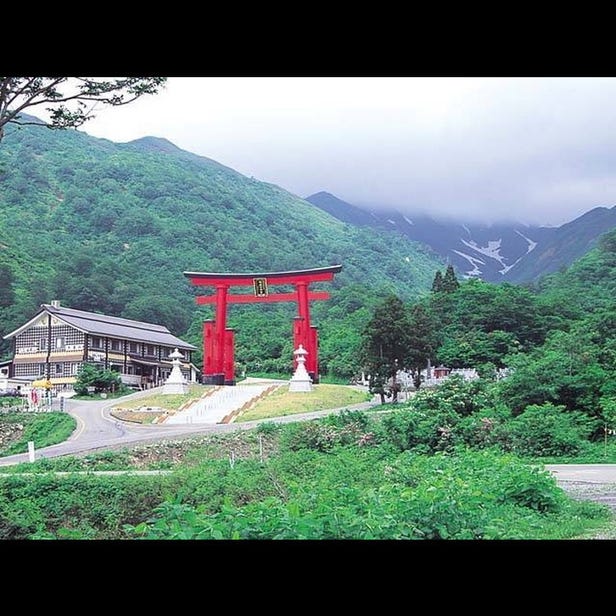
218,340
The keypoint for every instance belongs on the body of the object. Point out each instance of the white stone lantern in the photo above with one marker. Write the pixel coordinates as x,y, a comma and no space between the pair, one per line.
300,381
176,383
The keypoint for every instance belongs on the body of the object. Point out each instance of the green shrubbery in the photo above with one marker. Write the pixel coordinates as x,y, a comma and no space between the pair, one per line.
349,427
471,414
100,379
85,507
374,495
443,465
547,430
350,476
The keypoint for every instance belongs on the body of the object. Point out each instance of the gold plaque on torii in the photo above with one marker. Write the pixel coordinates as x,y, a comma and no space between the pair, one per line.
260,285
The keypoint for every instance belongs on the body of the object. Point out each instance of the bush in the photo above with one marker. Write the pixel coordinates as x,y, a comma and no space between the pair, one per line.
484,428
76,506
101,379
268,427
455,394
407,428
327,434
546,430
469,495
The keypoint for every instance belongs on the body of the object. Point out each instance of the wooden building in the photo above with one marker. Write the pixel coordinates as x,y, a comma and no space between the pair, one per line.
57,341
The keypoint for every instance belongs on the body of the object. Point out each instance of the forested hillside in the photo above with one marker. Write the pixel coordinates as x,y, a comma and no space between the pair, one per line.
557,341
111,227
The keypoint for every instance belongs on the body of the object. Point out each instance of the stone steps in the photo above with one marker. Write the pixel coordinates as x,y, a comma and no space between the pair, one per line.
214,408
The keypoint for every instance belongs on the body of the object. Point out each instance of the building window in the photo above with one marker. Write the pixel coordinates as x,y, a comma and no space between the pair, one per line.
97,343
116,345
59,342
59,369
133,347
149,349
41,369
43,344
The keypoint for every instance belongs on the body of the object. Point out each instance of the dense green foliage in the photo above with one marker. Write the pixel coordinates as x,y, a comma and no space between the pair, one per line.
445,464
80,507
112,227
339,478
43,428
370,495
557,342
476,414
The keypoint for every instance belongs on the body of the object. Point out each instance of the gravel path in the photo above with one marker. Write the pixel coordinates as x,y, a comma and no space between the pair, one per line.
604,493
595,482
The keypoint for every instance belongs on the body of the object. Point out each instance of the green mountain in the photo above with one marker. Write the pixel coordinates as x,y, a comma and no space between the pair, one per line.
110,227
588,285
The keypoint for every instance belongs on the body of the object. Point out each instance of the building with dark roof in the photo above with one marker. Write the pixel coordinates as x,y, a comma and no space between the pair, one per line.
57,341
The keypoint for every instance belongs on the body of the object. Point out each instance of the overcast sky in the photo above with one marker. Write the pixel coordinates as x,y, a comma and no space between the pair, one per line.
536,150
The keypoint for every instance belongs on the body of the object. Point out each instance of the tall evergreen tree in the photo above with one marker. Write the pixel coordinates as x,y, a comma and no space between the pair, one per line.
385,346
437,284
450,281
423,341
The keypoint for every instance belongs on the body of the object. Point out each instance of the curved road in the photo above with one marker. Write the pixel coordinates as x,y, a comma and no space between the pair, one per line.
97,429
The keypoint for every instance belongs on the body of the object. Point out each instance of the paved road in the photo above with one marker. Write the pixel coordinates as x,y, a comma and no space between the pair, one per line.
583,473
596,482
97,429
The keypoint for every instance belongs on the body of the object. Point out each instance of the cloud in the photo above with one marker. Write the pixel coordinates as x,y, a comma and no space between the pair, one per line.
540,150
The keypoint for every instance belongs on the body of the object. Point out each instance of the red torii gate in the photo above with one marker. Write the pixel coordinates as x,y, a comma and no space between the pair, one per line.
218,339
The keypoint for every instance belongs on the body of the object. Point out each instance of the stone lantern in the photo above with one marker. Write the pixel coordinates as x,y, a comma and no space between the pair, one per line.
176,383
300,381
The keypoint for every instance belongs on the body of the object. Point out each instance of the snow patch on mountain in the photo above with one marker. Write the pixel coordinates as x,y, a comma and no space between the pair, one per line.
492,250
531,244
393,222
408,220
473,261
530,248
505,269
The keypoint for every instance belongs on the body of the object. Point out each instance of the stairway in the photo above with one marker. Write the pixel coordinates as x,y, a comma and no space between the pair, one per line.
212,409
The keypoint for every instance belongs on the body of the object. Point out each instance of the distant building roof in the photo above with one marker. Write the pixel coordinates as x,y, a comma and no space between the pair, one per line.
113,327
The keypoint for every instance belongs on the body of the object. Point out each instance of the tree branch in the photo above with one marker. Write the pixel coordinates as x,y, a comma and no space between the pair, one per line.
25,92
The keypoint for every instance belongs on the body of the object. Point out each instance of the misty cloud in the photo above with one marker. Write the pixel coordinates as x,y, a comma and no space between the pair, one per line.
537,150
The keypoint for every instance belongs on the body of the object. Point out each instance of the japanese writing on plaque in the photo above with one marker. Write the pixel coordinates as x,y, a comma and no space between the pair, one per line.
260,285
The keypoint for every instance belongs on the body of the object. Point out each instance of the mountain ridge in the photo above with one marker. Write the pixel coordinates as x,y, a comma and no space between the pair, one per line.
495,252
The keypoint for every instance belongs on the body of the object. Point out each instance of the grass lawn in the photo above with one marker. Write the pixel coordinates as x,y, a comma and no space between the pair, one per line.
171,402
322,397
136,410
45,429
